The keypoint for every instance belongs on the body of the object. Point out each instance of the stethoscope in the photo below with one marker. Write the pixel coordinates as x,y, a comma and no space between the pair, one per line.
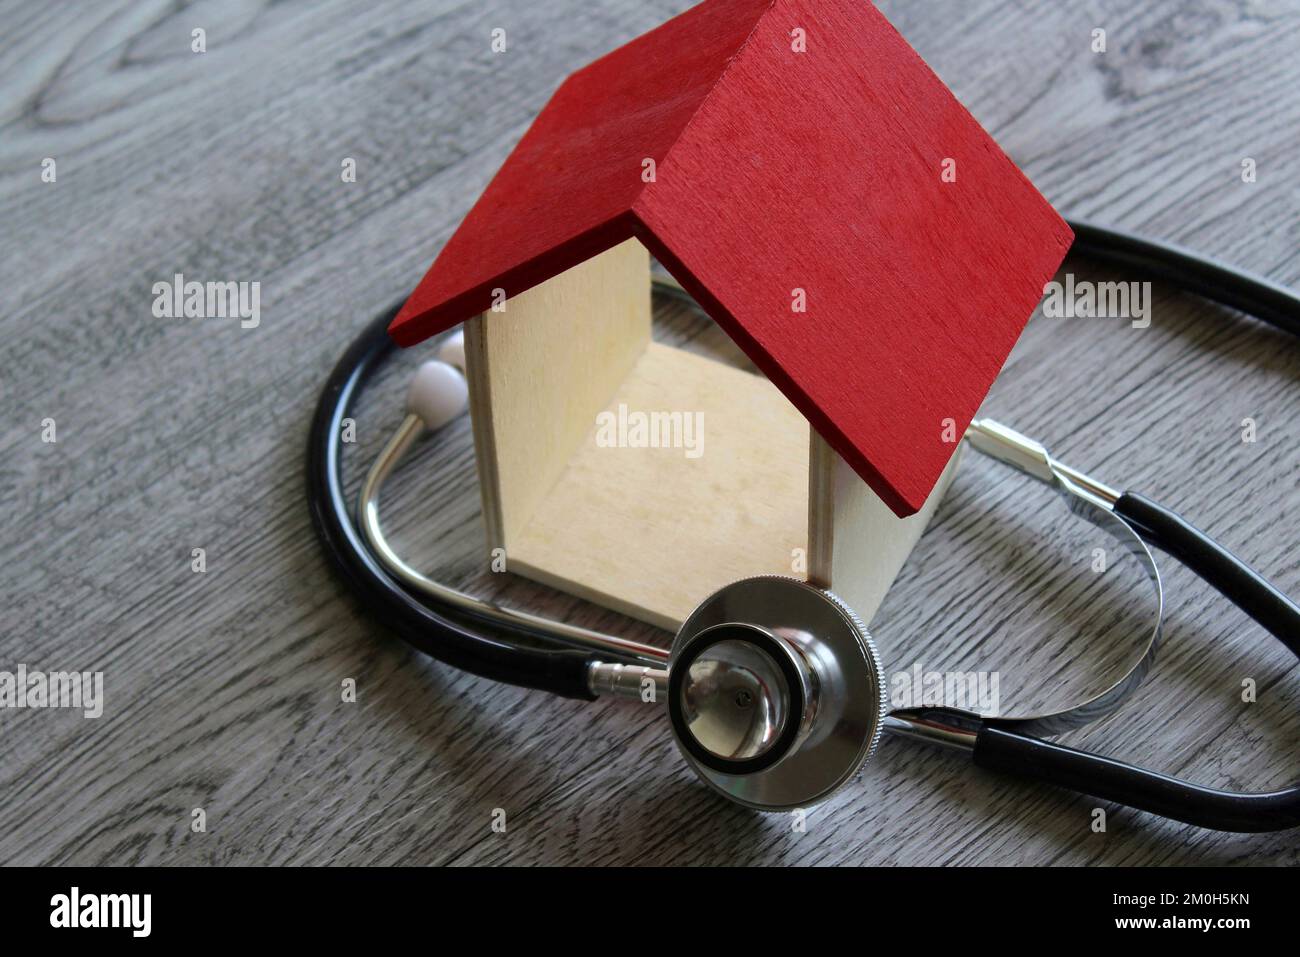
773,686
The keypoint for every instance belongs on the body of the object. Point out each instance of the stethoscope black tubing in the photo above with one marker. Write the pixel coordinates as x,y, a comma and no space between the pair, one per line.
999,749
1190,272
1214,564
563,671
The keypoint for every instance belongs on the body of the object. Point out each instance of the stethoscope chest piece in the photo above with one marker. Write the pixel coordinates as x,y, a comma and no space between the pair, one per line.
775,692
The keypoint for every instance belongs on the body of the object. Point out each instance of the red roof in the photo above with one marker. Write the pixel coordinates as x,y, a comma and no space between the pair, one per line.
779,171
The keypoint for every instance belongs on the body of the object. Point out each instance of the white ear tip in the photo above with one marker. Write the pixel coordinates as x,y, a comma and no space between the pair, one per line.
437,395
452,350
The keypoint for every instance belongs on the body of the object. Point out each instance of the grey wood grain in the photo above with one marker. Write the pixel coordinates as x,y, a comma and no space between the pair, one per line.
223,688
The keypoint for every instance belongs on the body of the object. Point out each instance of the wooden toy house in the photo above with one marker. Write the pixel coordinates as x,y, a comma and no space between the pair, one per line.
797,167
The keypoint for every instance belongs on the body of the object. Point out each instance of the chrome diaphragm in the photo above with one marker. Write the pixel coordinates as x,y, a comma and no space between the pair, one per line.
775,692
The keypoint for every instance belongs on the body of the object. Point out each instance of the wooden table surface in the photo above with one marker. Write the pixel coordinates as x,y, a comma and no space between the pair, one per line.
223,687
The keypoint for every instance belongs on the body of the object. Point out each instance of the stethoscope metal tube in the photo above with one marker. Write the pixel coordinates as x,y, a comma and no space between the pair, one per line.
763,750
584,639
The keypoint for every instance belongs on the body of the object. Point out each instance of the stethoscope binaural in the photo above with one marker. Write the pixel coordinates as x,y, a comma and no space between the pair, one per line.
773,686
